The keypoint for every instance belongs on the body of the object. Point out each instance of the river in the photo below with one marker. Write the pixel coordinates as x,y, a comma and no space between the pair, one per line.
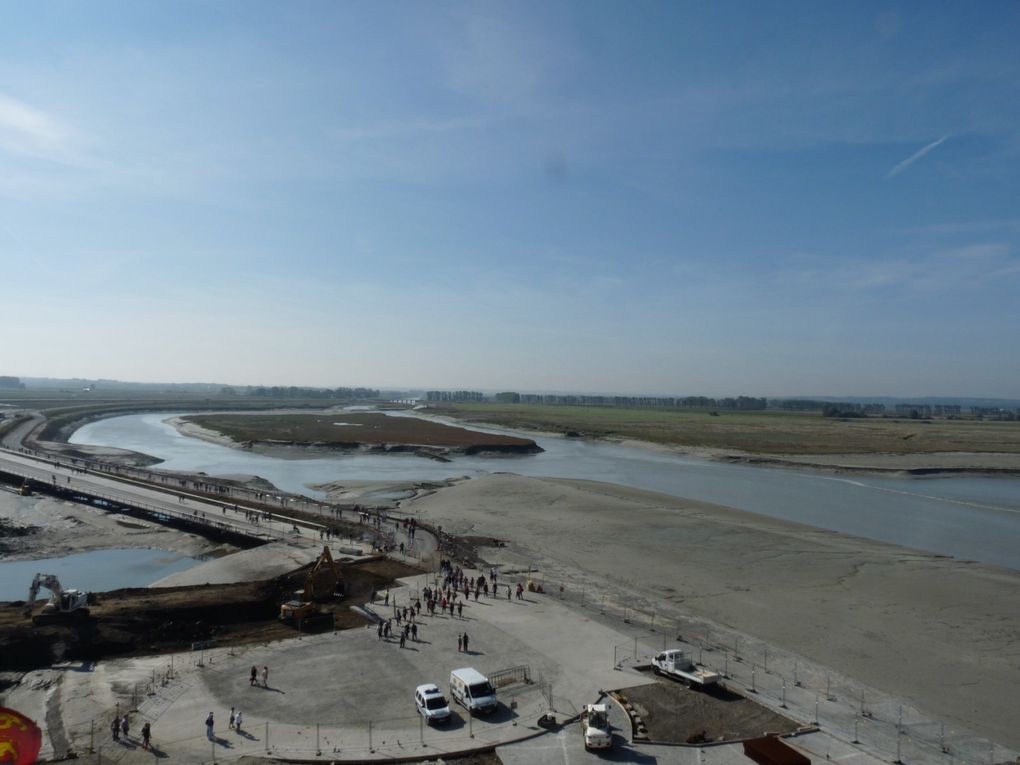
971,518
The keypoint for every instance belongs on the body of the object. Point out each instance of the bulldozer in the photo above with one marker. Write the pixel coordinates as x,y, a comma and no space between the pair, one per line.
63,604
323,583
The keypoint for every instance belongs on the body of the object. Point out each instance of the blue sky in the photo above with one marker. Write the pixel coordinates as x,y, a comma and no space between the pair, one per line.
676,198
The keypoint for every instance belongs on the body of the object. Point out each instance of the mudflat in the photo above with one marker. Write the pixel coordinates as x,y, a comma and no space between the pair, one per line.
941,633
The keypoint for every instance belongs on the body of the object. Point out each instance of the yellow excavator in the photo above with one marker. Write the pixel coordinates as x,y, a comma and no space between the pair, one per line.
324,582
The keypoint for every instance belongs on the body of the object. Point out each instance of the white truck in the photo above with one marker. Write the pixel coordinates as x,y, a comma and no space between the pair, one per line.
680,666
595,726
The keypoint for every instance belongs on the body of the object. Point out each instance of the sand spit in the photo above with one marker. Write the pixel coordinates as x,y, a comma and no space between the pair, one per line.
943,633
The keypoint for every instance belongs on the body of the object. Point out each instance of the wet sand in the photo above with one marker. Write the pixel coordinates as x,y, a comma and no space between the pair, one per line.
942,634
69,527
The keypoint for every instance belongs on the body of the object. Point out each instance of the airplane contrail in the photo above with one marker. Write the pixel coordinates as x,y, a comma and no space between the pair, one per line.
916,156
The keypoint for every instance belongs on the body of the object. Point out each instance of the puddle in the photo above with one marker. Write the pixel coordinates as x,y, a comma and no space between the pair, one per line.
95,571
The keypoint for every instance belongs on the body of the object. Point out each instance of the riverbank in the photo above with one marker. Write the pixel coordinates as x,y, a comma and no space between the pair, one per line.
771,438
905,465
937,631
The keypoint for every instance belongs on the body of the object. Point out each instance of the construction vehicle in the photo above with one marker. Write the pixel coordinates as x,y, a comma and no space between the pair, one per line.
324,582
297,611
62,603
595,726
678,665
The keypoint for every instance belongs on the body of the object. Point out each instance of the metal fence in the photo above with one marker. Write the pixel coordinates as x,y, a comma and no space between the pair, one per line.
396,736
804,691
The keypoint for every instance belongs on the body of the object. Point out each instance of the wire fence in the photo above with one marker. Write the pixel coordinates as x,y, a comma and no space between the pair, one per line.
807,693
92,740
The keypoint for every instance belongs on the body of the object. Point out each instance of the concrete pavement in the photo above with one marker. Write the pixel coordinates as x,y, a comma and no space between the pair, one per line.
346,695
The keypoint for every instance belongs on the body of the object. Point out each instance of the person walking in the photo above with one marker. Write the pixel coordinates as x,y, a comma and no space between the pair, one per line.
460,643
209,724
460,609
465,642
265,677
414,632
403,638
237,721
115,728
254,675
146,735
125,726
231,723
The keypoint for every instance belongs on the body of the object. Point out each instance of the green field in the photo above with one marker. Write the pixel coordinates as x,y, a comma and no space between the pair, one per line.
759,432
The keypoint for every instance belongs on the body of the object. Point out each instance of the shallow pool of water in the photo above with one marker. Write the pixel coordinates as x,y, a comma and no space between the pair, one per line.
94,571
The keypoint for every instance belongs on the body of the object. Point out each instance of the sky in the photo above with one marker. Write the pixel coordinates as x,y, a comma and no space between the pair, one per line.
675,198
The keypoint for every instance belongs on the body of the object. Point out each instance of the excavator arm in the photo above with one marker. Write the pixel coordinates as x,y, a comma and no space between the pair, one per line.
50,582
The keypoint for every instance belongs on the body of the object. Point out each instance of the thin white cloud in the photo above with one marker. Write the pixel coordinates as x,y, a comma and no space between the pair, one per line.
973,266
29,131
916,156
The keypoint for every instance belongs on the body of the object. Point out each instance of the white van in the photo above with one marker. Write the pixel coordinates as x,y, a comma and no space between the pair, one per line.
472,690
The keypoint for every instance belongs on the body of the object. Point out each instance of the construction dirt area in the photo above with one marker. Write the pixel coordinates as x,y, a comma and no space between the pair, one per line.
143,621
676,714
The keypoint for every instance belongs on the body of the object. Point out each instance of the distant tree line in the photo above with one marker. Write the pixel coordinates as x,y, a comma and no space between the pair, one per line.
278,391
11,382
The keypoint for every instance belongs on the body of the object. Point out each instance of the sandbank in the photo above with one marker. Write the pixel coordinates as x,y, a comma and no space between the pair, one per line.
940,633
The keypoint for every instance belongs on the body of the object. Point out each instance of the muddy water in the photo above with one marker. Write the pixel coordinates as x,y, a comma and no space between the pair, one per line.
95,571
974,518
